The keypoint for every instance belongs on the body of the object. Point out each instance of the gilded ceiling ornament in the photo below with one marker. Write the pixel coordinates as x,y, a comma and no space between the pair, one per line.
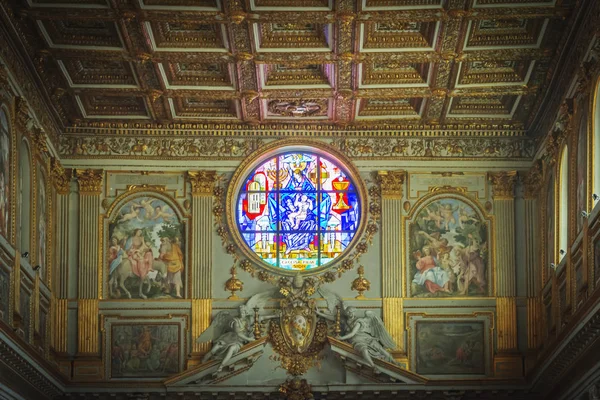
38,140
202,181
90,180
391,182
233,285
361,284
298,108
503,184
61,179
154,95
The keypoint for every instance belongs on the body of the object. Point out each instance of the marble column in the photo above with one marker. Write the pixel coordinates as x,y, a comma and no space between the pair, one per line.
202,185
90,189
391,183
61,181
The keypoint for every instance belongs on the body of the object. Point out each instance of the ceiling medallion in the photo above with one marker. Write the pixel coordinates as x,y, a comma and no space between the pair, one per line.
271,225
298,108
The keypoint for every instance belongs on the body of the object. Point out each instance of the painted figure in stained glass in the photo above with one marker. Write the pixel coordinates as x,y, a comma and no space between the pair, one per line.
146,251
298,211
448,243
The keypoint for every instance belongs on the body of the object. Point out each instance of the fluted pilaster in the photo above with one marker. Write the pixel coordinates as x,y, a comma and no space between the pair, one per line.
61,182
202,183
393,317
88,329
201,311
90,184
391,231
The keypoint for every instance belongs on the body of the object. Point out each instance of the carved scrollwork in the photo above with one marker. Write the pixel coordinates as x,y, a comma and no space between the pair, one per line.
90,180
503,184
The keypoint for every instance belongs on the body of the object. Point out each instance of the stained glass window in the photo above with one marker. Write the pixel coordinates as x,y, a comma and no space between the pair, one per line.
298,211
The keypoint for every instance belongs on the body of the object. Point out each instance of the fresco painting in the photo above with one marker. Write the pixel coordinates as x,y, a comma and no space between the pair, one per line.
448,251
450,348
5,175
144,350
146,251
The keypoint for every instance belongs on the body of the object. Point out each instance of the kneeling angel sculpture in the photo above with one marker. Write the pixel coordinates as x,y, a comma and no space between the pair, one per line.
367,335
230,333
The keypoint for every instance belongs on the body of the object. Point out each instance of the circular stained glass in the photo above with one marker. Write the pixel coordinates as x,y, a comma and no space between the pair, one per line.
298,211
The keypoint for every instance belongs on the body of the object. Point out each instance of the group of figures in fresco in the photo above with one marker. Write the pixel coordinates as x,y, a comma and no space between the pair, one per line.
449,248
450,348
144,350
145,258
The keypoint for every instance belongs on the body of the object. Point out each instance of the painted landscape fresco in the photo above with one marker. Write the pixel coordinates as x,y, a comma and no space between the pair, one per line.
450,348
448,251
144,350
146,251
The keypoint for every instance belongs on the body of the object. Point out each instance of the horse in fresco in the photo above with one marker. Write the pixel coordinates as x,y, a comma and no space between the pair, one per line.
125,270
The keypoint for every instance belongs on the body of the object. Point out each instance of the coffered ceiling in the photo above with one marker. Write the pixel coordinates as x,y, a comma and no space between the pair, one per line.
356,64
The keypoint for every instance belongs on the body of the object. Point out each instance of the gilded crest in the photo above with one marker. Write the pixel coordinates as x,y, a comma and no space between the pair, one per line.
298,323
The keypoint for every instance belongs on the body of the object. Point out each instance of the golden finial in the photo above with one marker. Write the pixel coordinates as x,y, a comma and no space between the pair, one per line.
233,285
361,284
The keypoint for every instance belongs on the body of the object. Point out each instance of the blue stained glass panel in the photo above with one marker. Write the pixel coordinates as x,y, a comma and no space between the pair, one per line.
298,211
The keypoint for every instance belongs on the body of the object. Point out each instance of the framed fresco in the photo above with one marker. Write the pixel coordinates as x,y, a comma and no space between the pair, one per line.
145,251
450,346
448,250
144,348
5,175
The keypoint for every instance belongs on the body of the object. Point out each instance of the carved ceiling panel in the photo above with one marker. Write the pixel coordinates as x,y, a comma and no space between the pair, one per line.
347,64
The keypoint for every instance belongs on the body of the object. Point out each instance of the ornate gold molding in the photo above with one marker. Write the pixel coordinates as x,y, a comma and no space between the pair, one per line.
503,184
201,311
38,141
533,181
87,326
391,183
21,112
90,180
202,182
60,178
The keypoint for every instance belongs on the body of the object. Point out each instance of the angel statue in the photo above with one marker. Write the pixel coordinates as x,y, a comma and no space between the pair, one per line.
230,333
367,335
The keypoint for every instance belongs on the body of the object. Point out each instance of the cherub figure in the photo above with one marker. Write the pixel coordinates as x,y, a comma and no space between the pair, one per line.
464,216
147,205
133,214
162,212
433,215
230,333
447,213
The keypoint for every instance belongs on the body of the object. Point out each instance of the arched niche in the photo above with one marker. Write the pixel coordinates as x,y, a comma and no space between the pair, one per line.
563,203
25,178
448,248
145,252
6,176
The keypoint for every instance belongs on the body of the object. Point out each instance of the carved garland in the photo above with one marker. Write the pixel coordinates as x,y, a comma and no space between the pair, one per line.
362,246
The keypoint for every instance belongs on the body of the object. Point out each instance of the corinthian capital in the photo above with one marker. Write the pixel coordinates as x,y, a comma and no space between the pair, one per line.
532,181
90,180
60,177
503,184
22,112
391,182
202,182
